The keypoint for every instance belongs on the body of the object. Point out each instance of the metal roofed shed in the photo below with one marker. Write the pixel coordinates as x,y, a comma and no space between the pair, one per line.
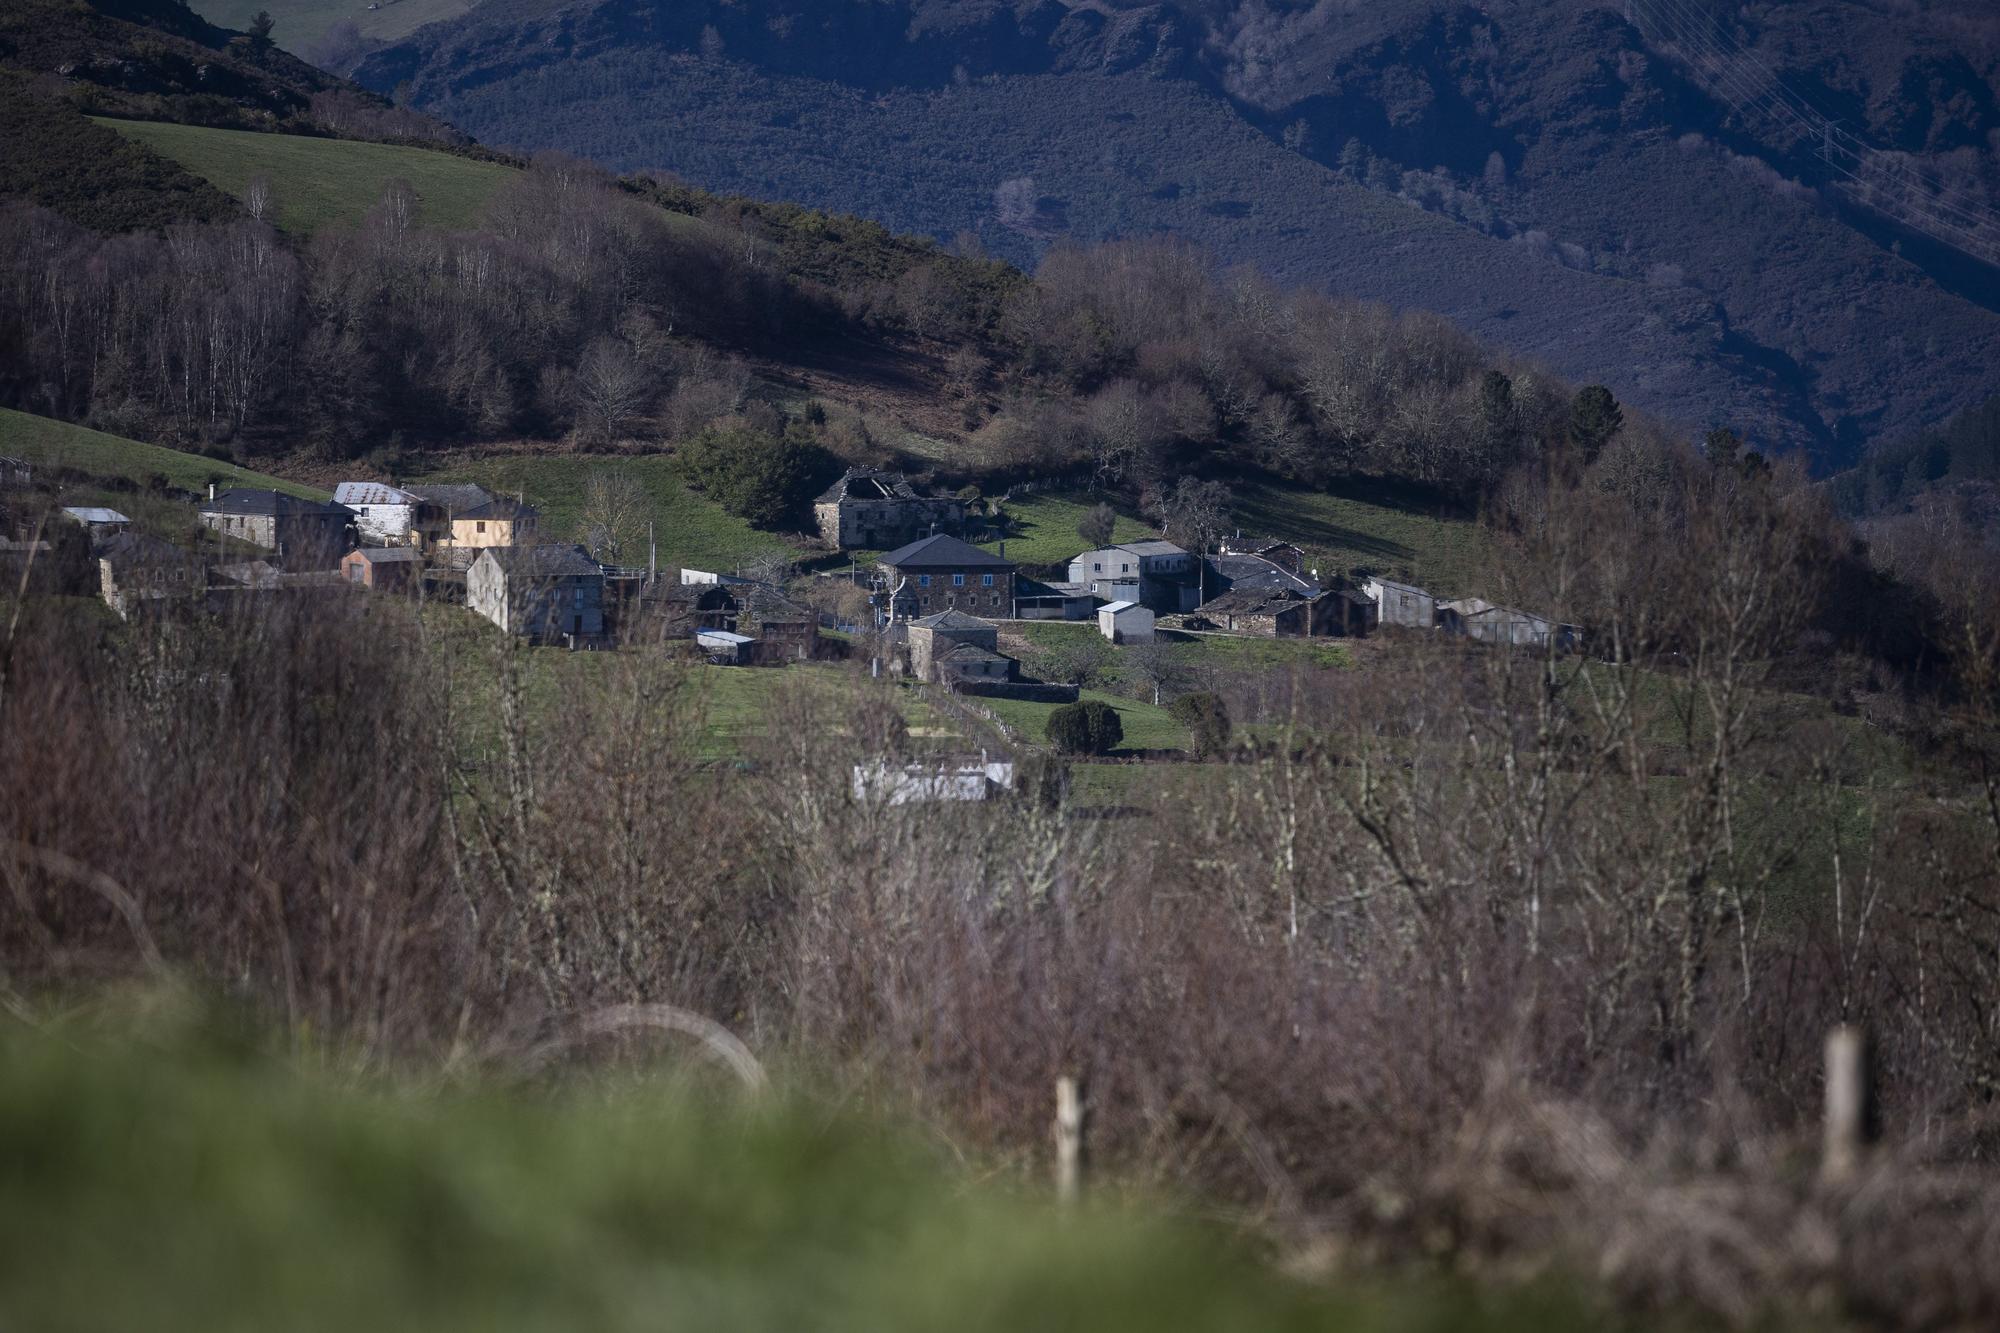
724,647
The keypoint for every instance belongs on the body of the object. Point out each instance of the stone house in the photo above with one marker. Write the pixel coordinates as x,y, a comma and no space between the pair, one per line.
868,507
1272,612
137,574
539,592
304,534
98,521
930,639
384,568
942,573
389,516
1286,555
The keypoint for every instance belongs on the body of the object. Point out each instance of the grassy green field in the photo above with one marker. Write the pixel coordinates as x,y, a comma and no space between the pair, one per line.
163,1168
1146,727
59,444
1044,528
692,531
302,24
324,182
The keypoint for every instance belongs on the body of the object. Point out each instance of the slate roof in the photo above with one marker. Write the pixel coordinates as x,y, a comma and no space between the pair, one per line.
867,483
499,507
943,552
268,504
453,497
1253,571
1257,601
953,619
136,549
543,562
968,653
353,493
389,555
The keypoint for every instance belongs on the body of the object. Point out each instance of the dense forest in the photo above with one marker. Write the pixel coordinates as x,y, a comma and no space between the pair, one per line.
1569,181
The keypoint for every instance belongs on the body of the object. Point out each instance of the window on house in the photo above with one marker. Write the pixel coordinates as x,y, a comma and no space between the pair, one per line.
996,599
482,526
958,580
923,580
1097,569
986,580
579,596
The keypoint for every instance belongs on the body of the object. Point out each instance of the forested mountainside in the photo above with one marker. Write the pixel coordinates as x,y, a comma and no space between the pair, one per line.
1618,191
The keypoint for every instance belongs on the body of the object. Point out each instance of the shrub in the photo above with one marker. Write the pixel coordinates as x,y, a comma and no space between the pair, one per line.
1207,720
1090,727
764,478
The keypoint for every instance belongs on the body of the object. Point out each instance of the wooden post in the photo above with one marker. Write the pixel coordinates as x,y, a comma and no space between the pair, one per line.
1847,1104
1069,1139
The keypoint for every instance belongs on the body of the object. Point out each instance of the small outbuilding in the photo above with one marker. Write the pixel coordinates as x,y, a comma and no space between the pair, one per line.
1125,622
1401,604
384,568
99,522
726,647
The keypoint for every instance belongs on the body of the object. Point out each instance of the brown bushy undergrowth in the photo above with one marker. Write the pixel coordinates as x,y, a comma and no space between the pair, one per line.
1506,961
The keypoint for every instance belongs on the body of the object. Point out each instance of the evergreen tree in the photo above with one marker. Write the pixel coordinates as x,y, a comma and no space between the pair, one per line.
1594,419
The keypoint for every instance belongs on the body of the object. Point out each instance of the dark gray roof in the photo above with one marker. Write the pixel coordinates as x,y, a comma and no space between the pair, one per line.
943,552
389,555
544,562
1254,601
138,549
499,507
455,496
269,504
867,483
971,652
953,619
1253,571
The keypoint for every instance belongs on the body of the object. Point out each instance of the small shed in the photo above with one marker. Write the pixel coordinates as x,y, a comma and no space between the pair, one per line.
1401,604
726,648
1125,622
384,568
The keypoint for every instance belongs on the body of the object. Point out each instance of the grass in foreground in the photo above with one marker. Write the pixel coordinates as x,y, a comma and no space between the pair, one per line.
50,443
324,182
183,1179
1146,727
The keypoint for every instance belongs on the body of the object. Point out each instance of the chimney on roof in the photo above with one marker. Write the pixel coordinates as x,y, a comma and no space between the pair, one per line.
211,490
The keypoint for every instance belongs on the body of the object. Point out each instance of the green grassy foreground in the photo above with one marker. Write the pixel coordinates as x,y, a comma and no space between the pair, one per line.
323,182
52,443
185,1179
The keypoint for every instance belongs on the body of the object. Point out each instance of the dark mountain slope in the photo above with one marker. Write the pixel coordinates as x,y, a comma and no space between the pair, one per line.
1587,200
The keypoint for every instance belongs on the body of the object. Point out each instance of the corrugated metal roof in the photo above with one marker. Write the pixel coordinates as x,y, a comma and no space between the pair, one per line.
1115,607
372,493
95,514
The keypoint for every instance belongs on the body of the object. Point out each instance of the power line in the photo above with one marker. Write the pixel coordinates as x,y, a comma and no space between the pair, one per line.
1875,177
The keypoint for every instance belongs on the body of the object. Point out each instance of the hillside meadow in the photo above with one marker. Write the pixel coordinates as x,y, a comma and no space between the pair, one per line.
325,182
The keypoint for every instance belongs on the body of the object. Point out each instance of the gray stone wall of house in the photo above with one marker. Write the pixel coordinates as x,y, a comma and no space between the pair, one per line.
883,522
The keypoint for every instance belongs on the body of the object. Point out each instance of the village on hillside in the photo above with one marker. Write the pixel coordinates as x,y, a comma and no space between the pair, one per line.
928,605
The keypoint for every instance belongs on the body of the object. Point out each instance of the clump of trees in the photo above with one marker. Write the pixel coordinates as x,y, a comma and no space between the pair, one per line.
763,477
1089,727
1206,718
